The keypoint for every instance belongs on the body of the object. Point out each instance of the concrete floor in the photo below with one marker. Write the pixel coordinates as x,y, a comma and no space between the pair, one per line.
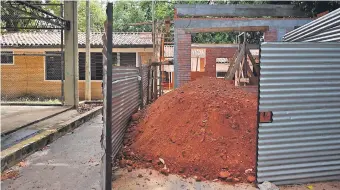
124,180
71,162
141,179
14,117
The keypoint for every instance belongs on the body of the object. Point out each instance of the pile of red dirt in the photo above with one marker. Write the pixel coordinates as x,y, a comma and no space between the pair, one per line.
205,129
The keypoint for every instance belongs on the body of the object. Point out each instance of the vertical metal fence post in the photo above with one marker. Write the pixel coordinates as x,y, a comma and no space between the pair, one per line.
160,81
155,89
141,82
62,64
148,88
108,182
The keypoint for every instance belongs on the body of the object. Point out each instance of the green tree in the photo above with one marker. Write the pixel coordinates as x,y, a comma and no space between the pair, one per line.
126,13
97,14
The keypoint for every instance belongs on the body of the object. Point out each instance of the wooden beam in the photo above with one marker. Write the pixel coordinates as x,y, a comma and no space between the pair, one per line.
253,61
232,69
239,10
228,29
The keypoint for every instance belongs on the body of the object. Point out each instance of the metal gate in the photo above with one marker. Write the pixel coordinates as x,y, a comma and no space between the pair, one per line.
299,89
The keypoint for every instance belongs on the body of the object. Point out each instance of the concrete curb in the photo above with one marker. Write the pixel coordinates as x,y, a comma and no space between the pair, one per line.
18,152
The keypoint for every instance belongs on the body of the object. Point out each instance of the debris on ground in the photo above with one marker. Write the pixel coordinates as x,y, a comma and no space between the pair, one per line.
82,108
9,174
206,127
251,179
268,186
22,164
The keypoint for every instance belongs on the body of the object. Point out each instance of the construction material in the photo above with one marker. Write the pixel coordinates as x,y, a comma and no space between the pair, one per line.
205,128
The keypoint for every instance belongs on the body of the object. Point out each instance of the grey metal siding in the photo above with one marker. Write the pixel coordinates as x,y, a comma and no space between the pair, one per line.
323,29
125,102
300,85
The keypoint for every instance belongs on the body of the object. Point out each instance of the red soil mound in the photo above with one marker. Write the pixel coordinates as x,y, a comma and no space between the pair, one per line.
205,127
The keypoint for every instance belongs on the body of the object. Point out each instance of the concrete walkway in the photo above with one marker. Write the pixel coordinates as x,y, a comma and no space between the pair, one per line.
13,117
71,162
148,179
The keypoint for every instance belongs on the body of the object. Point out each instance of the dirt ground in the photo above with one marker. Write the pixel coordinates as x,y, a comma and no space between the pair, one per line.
206,129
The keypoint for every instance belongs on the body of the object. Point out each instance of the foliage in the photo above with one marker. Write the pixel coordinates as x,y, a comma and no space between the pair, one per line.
165,9
97,16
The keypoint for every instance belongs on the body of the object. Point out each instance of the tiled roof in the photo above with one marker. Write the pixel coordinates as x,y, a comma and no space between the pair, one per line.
53,39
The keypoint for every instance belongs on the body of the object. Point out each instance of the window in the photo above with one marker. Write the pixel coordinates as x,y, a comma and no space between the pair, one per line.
128,59
220,74
7,58
53,66
96,66
165,76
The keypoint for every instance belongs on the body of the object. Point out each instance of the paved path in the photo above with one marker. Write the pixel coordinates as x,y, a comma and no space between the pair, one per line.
13,117
71,162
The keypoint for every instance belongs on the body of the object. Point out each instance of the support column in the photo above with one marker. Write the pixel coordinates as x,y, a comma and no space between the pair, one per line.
271,35
182,57
71,55
137,60
88,55
118,59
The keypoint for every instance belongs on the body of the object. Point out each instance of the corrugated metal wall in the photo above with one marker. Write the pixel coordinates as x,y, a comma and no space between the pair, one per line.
300,85
125,101
323,29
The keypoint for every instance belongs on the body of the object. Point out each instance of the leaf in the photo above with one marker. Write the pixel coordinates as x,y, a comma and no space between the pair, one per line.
310,187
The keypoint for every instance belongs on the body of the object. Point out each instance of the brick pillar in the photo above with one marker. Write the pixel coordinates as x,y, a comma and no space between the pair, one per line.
271,35
212,54
210,65
182,57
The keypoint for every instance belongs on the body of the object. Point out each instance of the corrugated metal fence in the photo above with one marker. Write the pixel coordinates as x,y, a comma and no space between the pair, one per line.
300,85
323,29
125,101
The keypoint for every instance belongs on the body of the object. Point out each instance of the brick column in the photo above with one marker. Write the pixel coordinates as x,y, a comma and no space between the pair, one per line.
212,54
210,65
182,57
271,35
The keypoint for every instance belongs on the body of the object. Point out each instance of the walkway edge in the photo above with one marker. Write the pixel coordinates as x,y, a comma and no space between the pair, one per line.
18,152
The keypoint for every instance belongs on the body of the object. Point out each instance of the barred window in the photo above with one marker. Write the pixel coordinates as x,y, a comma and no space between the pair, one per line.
128,59
220,74
96,65
7,57
53,66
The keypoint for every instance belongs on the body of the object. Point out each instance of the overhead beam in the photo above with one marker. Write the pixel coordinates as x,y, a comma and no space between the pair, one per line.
238,23
228,29
239,10
250,46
